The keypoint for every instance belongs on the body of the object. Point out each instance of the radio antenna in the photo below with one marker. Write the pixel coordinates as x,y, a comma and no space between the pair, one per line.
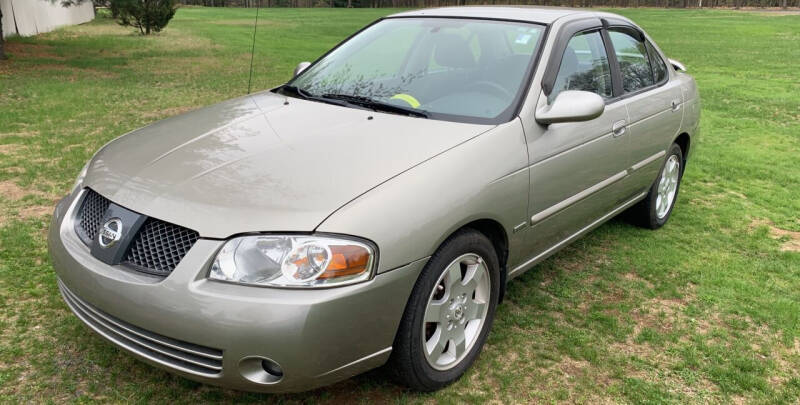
253,51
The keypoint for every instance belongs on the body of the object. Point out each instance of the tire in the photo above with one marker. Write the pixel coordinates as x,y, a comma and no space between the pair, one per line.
467,256
654,211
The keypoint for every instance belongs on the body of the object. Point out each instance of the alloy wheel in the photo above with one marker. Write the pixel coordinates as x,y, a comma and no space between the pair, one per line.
668,186
456,311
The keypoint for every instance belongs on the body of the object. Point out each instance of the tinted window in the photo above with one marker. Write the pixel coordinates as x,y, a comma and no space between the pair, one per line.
659,67
634,63
584,66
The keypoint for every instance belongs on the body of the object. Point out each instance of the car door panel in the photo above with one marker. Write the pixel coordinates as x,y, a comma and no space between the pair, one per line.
654,125
576,168
575,175
654,104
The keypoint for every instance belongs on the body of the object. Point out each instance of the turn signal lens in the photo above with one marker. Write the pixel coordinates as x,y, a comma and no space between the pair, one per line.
346,261
293,261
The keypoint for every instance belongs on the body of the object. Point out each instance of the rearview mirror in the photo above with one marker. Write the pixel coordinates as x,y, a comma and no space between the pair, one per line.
301,67
571,106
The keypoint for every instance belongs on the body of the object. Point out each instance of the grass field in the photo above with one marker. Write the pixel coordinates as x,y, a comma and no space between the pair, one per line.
705,310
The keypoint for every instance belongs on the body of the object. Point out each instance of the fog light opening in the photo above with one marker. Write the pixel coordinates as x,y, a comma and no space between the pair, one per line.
272,368
261,370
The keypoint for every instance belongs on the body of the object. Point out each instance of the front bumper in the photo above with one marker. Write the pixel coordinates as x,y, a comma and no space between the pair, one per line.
316,336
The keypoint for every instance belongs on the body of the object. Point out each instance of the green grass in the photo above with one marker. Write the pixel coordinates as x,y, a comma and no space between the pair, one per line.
706,309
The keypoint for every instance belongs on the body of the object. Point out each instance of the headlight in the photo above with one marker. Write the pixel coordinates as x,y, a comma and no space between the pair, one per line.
81,176
293,261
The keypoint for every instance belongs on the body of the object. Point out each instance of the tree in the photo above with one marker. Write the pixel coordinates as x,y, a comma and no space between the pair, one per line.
95,3
2,49
146,15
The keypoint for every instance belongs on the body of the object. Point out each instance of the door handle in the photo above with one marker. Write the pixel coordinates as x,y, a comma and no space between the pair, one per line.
676,104
618,128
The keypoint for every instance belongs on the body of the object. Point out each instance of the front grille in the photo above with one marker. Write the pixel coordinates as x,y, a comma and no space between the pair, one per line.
157,247
160,246
91,215
170,352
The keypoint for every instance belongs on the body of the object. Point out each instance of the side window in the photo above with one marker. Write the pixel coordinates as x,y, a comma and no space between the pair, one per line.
584,66
659,67
634,64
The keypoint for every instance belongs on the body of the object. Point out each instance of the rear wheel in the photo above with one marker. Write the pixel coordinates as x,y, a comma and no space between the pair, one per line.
654,211
449,313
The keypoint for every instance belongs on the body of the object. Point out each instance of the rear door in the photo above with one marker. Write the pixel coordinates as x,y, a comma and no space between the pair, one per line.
654,103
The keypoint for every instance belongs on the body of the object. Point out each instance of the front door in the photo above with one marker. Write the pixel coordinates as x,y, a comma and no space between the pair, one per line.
576,168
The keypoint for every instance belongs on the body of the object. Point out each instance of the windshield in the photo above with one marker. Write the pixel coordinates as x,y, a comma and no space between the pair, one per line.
453,69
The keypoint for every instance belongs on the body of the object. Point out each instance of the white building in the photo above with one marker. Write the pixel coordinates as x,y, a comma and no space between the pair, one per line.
31,17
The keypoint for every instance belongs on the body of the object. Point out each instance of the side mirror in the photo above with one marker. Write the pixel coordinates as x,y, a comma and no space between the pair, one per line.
301,67
677,65
571,106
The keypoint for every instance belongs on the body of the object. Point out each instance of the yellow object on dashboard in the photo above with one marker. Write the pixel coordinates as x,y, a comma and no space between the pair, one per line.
413,102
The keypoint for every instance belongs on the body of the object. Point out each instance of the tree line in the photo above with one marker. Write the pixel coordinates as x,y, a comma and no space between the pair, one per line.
439,3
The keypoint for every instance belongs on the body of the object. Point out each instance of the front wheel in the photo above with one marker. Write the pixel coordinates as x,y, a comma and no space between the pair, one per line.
449,313
654,211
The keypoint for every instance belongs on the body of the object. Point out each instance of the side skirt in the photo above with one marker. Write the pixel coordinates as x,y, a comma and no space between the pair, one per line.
527,265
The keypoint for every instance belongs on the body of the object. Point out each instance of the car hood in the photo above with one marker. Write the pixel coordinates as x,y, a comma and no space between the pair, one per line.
263,162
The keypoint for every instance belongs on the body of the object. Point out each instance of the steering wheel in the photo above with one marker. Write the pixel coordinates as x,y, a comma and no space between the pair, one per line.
493,88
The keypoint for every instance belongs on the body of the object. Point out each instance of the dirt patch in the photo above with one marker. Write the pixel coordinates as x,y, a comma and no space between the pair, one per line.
705,325
35,211
792,245
791,238
659,314
22,134
737,194
636,279
11,191
10,149
571,367
31,51
14,170
711,200
94,30
5,67
171,41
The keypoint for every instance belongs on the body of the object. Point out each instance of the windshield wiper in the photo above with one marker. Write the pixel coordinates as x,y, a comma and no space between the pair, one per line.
288,89
294,90
376,105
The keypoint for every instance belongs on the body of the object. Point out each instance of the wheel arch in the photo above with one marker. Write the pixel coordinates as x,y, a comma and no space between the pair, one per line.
684,141
496,234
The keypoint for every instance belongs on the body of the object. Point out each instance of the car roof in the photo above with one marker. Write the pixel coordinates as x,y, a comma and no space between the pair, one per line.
536,14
